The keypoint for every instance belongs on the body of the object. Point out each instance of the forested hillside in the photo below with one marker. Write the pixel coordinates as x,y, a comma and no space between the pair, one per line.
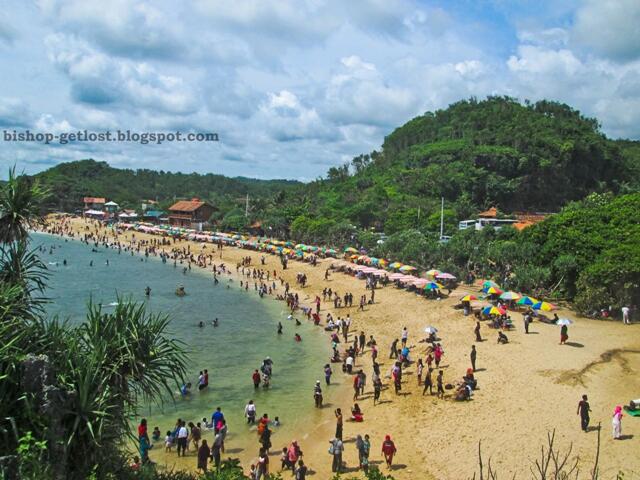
474,154
69,182
496,152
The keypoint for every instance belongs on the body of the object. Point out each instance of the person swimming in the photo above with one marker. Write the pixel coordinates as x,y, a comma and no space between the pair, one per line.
298,323
279,328
297,338
215,322
147,291
200,324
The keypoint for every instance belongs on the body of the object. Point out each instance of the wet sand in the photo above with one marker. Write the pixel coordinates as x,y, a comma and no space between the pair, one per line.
527,388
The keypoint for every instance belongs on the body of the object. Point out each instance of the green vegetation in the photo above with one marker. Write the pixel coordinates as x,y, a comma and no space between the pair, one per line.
475,154
67,394
588,253
70,182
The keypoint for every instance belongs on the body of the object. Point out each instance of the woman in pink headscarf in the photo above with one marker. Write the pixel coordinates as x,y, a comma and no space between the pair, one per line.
293,453
388,450
616,422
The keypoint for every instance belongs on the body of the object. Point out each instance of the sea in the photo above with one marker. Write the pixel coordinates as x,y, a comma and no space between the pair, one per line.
245,336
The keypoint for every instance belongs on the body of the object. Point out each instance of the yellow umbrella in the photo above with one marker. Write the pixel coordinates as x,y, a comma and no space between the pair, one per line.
433,272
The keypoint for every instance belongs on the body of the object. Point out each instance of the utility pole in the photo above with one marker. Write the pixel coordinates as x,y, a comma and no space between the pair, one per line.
442,219
246,207
418,215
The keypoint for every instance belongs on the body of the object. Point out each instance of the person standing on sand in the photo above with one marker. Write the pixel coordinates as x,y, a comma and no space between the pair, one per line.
317,394
583,411
419,369
388,450
472,355
477,332
338,414
428,382
439,382
203,456
625,315
616,423
405,336
377,388
394,349
527,321
564,334
335,449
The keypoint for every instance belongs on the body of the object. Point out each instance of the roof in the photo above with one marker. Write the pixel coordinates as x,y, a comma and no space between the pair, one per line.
94,200
187,205
153,213
491,213
111,204
93,212
522,225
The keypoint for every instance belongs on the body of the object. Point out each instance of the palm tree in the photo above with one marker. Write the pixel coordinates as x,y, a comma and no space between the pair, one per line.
20,200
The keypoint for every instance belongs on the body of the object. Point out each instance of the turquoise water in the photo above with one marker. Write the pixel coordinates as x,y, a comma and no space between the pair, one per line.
246,335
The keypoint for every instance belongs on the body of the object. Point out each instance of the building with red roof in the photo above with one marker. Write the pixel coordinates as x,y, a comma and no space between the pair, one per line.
190,213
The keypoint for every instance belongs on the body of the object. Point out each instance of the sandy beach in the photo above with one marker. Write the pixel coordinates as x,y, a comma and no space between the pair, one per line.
527,388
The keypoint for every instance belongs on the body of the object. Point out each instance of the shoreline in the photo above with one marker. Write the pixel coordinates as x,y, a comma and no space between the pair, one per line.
527,387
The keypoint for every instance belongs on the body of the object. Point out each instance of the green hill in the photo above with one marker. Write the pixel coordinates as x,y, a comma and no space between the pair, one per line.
71,181
476,154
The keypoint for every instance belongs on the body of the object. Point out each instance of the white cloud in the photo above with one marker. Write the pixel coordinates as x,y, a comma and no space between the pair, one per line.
610,28
359,94
15,113
99,79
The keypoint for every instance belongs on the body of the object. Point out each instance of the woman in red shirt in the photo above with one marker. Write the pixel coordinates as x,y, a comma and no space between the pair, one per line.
388,450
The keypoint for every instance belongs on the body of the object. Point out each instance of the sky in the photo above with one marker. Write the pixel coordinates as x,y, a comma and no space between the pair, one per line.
294,87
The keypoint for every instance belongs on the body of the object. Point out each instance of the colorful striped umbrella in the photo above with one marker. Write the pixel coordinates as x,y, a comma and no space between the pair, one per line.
469,298
510,296
433,272
433,286
407,268
489,284
492,290
350,250
544,306
493,310
446,276
527,301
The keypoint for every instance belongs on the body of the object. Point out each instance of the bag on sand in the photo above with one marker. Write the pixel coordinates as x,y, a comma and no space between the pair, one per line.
331,451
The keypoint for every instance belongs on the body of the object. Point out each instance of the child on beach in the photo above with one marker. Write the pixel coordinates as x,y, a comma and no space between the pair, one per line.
168,441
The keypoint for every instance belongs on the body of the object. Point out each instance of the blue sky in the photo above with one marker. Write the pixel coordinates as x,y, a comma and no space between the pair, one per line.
294,87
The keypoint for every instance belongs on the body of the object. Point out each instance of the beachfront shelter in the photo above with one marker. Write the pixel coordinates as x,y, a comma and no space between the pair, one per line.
190,213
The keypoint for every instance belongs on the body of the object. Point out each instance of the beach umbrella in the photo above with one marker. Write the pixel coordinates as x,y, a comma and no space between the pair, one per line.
369,270
408,278
489,284
420,282
382,262
395,265
510,296
492,310
543,306
433,286
468,298
492,290
445,276
431,329
380,273
407,268
350,250
564,321
527,301
433,272
396,276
